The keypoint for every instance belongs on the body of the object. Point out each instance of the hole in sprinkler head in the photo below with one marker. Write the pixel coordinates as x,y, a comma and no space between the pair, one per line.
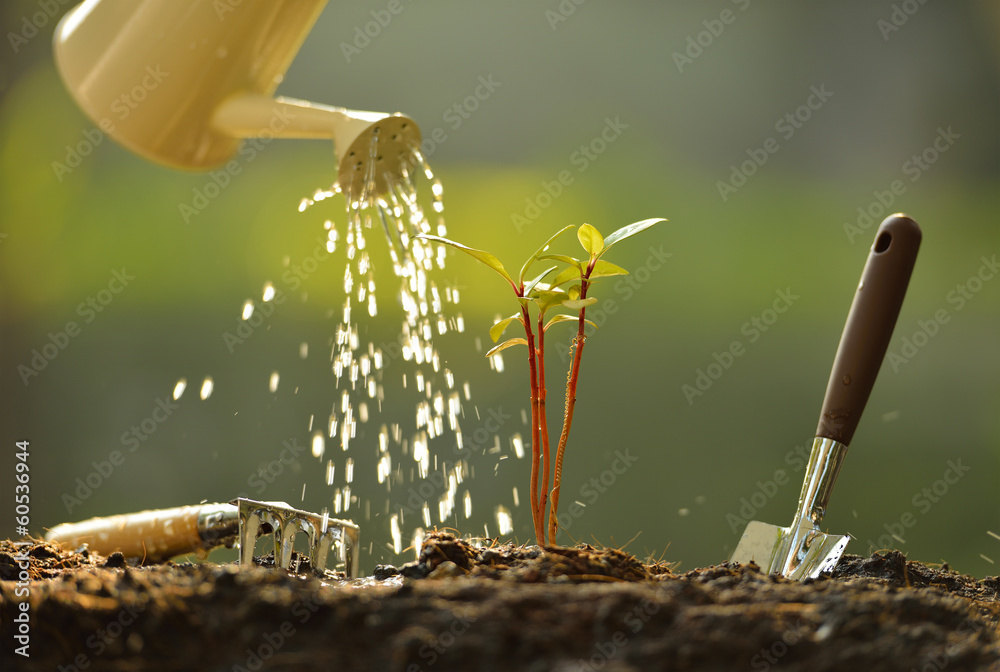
883,241
358,165
378,158
404,126
395,137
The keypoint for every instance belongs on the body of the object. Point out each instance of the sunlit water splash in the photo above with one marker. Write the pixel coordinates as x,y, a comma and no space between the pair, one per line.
405,452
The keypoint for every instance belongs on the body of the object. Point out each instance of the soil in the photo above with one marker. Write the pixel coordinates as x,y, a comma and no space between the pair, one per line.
489,606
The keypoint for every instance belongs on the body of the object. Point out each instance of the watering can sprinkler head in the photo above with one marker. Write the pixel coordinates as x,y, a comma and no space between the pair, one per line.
184,82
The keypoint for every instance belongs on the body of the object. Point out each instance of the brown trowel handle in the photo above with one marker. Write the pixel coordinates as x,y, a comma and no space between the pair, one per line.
869,327
152,536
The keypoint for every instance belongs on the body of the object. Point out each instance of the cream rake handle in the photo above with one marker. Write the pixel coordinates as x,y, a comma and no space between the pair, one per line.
152,536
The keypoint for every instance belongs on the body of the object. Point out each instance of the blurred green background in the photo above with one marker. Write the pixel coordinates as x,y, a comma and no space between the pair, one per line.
689,95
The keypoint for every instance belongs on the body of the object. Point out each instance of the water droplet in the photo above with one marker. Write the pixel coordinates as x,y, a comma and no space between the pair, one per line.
247,309
397,537
518,443
318,445
418,541
272,384
504,520
206,387
179,388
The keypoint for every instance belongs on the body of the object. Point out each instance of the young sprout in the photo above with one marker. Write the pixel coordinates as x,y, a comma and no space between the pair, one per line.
568,289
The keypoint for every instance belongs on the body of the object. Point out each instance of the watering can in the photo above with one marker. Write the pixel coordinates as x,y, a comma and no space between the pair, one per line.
183,82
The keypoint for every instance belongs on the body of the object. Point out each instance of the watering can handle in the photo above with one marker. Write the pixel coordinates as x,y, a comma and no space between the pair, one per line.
869,327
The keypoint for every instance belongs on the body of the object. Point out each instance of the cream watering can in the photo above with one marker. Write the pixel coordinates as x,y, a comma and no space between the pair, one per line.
183,82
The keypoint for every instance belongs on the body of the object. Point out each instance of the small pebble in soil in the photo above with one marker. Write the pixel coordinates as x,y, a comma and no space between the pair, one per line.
383,572
116,559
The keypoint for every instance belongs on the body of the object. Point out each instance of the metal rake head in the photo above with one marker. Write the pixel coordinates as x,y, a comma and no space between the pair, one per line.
284,522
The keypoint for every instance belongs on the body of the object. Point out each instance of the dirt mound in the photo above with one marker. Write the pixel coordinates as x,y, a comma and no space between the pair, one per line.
488,606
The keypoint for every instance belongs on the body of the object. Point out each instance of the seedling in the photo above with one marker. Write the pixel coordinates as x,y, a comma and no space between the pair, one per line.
567,289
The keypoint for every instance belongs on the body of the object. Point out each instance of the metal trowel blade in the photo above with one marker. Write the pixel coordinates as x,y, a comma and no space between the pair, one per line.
771,548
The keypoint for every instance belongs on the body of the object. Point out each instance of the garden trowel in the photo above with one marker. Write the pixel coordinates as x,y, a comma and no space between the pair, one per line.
802,550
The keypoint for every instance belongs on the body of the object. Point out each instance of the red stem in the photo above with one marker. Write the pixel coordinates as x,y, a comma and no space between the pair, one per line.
543,427
571,381
536,512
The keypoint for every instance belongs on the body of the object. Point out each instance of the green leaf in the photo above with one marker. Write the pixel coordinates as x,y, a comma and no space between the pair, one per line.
480,255
566,318
532,283
548,299
506,344
533,258
629,231
496,331
579,304
566,259
605,269
567,275
591,239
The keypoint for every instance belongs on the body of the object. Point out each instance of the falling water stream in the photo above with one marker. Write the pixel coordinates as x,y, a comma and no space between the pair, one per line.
404,451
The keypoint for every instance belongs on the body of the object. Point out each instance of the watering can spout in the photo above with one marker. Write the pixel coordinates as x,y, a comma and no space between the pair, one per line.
183,82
